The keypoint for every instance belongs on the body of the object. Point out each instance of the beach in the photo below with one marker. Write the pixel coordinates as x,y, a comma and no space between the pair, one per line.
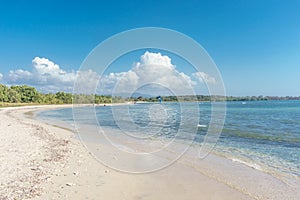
42,161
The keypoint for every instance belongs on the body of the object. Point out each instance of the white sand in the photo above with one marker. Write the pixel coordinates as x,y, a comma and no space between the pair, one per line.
40,161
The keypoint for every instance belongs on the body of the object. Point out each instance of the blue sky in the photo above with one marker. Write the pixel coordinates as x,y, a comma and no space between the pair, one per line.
255,43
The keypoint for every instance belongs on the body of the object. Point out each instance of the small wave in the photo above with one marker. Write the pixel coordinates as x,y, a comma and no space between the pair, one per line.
249,164
202,125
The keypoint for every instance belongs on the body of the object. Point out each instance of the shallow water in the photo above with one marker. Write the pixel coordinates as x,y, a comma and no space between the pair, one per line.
262,134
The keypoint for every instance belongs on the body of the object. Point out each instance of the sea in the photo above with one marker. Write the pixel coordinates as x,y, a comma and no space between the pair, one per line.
264,135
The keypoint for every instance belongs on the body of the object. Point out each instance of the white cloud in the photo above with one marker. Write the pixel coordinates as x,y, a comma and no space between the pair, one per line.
45,75
155,59
45,66
203,77
1,76
49,77
86,82
15,76
45,71
153,69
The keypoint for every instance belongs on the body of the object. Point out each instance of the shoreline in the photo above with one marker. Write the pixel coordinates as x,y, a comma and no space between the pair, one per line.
276,172
77,175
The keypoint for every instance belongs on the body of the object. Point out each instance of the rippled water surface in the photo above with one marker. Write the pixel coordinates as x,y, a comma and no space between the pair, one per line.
259,133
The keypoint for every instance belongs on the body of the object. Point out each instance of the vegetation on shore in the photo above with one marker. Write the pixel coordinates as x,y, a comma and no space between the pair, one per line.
27,95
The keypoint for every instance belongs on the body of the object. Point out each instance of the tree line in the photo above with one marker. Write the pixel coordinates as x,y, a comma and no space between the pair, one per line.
28,94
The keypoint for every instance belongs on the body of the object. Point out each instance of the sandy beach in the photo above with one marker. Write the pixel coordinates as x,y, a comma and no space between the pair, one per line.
41,161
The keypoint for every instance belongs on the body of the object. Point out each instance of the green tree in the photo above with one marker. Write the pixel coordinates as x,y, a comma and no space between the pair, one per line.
63,97
4,93
27,94
14,96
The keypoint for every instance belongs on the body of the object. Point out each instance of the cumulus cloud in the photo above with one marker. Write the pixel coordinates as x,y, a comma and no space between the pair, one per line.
45,75
203,77
153,69
86,82
48,76
15,76
47,72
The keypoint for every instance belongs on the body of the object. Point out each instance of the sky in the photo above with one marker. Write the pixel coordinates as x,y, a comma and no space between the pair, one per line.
255,44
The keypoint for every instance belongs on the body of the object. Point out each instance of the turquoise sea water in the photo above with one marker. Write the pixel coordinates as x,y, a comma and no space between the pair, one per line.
262,134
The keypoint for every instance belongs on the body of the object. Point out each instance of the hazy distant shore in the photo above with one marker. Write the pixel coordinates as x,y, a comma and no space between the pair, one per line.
40,161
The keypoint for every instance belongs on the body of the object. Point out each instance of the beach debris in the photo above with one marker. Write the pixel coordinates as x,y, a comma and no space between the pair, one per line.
76,173
70,184
38,168
48,159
